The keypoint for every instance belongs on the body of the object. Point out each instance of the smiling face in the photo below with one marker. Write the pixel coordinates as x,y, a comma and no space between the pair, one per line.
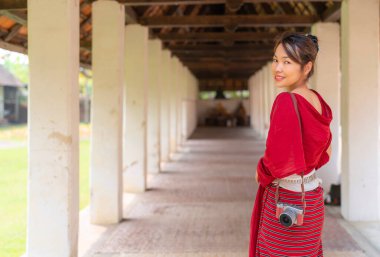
286,72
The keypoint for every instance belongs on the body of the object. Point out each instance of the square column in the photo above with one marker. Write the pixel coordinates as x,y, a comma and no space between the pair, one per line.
154,85
135,108
191,103
53,128
184,105
326,80
271,86
261,102
266,100
173,104
180,83
360,110
165,107
250,89
108,19
1,103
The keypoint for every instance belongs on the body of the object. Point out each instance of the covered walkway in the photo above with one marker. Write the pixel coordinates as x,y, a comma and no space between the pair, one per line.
200,205
150,62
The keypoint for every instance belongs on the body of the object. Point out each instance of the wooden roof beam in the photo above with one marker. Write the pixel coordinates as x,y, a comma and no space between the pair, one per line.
22,4
239,59
229,20
14,31
215,36
13,4
240,48
332,14
225,53
208,74
17,18
235,68
130,15
232,3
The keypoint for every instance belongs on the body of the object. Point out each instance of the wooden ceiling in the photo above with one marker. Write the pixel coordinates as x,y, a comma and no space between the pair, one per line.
222,42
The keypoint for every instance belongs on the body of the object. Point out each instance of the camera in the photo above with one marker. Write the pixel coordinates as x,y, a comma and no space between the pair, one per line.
289,215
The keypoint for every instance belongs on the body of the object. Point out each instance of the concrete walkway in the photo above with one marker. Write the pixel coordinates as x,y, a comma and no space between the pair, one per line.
200,206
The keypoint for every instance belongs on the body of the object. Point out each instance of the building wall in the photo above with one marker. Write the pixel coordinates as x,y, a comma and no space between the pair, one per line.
205,106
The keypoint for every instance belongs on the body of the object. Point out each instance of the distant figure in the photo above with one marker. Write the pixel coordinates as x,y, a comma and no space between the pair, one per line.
220,93
241,115
288,215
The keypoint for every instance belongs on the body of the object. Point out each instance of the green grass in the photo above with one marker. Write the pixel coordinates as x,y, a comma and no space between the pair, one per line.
13,191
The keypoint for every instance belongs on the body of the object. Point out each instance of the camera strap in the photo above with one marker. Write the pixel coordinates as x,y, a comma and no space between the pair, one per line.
302,182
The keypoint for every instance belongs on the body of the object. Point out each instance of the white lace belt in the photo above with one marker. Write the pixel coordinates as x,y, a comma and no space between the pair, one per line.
293,182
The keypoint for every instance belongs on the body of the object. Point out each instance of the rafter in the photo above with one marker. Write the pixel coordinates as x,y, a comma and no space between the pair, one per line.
217,36
227,54
175,2
130,15
225,58
212,83
13,4
11,15
22,4
14,31
332,14
209,48
225,20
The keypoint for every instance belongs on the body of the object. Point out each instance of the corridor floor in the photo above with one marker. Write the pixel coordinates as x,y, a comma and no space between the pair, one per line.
201,203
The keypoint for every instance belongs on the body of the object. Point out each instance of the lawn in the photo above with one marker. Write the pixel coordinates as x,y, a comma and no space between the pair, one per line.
13,187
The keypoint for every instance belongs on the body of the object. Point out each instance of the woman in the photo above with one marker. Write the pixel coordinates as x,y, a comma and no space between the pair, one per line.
294,147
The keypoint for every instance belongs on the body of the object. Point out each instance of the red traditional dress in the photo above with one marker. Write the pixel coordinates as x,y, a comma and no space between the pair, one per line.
289,152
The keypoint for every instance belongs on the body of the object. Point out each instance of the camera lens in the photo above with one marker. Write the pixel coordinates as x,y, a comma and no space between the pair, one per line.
288,218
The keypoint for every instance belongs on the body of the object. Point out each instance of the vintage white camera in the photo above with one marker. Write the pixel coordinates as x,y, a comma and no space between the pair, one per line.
289,215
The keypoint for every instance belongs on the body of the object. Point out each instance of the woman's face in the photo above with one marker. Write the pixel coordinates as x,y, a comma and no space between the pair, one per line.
286,72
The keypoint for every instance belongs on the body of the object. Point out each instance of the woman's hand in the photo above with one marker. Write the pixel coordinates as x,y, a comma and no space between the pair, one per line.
328,151
257,177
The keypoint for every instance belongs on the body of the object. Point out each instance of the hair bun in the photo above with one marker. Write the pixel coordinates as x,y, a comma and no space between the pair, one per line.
314,39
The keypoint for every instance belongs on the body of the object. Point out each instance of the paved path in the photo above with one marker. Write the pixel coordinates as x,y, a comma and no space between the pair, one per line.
201,203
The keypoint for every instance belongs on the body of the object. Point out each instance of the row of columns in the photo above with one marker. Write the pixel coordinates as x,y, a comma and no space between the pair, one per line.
347,76
143,109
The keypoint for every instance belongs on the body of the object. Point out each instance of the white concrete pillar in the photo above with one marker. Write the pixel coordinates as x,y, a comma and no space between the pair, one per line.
256,116
258,108
135,131
251,107
360,110
178,104
181,105
261,102
173,104
326,81
108,18
154,87
185,109
266,100
272,90
191,103
165,107
53,125
254,98
1,103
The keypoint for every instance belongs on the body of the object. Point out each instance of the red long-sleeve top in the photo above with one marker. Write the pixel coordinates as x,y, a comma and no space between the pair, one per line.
288,150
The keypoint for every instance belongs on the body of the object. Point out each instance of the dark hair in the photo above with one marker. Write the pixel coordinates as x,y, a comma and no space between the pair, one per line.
301,48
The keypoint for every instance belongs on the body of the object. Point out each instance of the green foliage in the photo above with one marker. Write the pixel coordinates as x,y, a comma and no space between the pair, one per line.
85,82
13,190
237,94
17,67
205,95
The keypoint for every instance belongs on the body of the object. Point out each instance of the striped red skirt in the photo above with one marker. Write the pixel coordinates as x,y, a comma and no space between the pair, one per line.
274,239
